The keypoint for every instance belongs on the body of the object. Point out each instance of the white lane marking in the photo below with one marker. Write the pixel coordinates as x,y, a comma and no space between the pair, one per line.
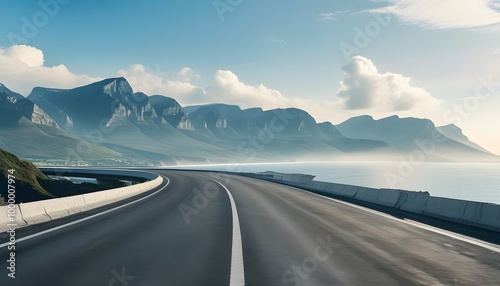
86,218
477,242
237,276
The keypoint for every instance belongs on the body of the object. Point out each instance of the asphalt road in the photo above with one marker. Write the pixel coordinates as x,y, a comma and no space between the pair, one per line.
185,234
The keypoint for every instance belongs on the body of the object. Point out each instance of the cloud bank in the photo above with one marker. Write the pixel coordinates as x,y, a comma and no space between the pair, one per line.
363,90
446,14
229,88
154,82
363,87
22,68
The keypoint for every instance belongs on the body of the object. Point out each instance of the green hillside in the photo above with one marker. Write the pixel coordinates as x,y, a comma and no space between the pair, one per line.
32,185
26,174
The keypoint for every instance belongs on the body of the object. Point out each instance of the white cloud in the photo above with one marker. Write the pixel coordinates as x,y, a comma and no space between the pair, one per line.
32,57
364,88
327,16
152,83
330,15
22,68
187,74
445,14
387,93
228,88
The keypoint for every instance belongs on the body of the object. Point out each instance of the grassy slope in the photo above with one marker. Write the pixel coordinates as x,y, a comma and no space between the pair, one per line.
32,185
25,172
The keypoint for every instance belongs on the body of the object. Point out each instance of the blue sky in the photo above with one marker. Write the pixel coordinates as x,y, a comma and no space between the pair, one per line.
414,58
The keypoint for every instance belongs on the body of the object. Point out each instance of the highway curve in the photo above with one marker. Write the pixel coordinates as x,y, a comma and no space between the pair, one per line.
187,233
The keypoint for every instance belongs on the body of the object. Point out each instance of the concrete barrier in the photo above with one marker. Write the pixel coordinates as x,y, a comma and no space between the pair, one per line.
76,204
472,213
336,189
45,210
89,200
4,216
34,212
444,208
383,197
16,218
477,214
104,197
413,202
56,208
402,199
345,190
366,195
490,217
388,198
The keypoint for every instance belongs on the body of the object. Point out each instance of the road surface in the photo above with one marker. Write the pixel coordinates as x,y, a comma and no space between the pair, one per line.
214,229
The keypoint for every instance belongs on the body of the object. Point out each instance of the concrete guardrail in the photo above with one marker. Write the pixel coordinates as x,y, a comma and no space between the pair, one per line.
46,210
482,215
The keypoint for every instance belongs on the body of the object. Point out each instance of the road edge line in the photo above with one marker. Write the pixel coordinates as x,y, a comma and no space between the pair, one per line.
85,218
237,276
463,238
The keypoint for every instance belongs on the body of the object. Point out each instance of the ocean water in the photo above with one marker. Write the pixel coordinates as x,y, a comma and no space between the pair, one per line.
467,181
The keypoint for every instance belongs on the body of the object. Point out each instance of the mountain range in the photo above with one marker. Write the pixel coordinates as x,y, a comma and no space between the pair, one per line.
107,123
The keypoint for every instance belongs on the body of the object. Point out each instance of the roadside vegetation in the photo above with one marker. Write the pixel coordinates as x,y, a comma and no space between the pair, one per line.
33,185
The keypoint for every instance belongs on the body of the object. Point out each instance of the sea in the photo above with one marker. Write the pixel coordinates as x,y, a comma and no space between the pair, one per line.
466,181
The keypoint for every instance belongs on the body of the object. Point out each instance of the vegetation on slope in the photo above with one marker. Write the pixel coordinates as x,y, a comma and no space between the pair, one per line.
33,185
25,173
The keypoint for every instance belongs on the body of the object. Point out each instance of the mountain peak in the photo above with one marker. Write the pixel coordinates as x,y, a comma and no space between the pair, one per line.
116,85
110,79
363,117
10,92
451,127
14,106
455,133
359,120
392,117
86,106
